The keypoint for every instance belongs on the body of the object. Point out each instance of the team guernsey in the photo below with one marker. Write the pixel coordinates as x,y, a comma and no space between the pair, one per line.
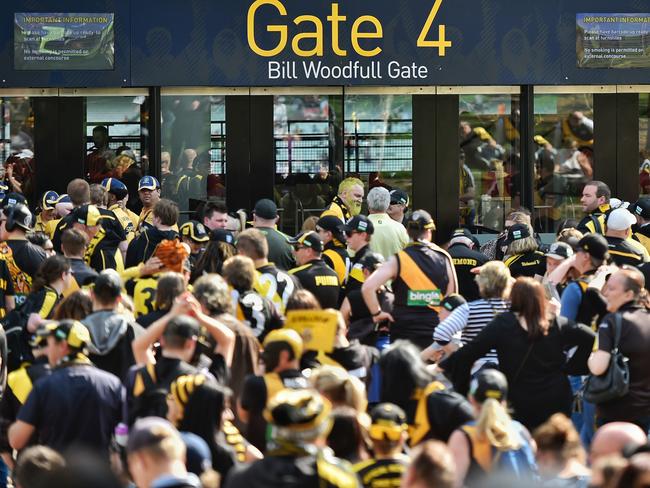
275,285
321,280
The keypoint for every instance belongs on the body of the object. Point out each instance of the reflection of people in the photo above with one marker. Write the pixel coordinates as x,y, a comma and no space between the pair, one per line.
575,128
467,192
96,162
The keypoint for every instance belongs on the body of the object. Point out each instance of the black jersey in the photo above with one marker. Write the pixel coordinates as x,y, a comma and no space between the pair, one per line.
382,473
337,258
465,259
623,251
321,280
275,285
356,278
528,264
257,312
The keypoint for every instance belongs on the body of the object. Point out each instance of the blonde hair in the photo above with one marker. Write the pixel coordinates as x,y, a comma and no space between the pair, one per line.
340,387
348,183
522,246
495,424
493,280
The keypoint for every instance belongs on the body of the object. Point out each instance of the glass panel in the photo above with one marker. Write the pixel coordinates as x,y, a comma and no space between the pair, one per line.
17,145
379,140
116,141
564,161
644,144
305,131
489,160
193,166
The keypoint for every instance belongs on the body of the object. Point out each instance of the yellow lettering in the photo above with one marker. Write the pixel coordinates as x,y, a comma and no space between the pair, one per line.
441,43
317,35
327,281
376,34
281,29
335,18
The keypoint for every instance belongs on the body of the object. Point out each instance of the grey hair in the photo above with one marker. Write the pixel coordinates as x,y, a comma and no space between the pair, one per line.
378,199
212,292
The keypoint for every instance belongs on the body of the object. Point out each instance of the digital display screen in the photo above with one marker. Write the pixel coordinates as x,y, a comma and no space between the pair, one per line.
64,41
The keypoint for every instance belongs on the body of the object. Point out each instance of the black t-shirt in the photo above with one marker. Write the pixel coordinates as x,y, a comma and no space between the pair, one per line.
83,274
28,256
142,247
464,260
6,286
321,280
280,251
634,345
357,359
529,264
148,319
78,405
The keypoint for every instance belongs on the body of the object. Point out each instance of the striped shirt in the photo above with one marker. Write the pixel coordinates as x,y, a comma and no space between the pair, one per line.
469,319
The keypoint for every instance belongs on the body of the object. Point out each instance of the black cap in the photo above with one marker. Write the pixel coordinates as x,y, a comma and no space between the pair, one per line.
466,233
517,232
371,261
452,301
72,331
108,283
222,235
331,223
358,223
594,245
12,198
559,250
387,421
308,239
266,209
420,220
195,231
398,196
87,215
641,208
489,383
182,326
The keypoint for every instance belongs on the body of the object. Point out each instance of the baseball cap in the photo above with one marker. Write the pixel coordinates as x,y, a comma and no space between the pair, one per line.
12,198
308,239
222,235
116,187
358,223
594,245
387,422
195,231
266,209
371,260
289,336
452,301
398,196
49,200
182,326
63,198
148,183
517,232
71,331
108,283
620,219
420,220
559,250
489,383
87,215
150,431
467,234
641,208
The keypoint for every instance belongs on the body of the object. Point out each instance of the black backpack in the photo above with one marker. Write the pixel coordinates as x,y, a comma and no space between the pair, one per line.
152,401
14,323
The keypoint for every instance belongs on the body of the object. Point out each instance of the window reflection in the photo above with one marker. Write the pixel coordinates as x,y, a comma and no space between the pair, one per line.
17,145
193,152
489,160
564,133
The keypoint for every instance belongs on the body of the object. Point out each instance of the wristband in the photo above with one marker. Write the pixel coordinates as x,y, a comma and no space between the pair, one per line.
377,313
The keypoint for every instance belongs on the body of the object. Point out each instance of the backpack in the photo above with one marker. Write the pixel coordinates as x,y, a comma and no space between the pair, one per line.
152,400
517,463
14,323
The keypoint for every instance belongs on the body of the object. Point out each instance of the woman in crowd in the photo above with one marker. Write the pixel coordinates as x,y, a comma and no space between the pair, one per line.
531,345
494,286
199,405
627,302
560,456
479,445
76,306
220,247
51,279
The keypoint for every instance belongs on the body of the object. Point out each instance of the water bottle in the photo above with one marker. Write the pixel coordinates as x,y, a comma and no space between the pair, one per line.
121,434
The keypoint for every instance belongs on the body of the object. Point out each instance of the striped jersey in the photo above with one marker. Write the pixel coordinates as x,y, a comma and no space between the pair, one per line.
469,320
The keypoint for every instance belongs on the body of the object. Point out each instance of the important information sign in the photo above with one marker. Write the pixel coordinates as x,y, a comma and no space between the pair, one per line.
63,41
613,40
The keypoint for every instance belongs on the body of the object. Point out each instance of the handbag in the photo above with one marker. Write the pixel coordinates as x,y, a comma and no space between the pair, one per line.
615,382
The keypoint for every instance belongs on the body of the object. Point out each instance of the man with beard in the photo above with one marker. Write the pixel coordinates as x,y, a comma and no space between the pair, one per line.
348,202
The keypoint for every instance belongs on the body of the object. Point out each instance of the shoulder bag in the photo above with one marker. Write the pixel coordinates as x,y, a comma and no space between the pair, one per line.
615,382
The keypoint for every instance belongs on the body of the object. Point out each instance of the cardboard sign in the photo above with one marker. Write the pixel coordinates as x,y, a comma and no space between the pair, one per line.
316,327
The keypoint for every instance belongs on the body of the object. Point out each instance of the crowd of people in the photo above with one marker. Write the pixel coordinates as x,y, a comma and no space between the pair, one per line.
144,350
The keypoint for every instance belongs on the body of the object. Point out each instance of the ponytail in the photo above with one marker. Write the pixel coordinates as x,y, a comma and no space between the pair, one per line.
49,271
495,424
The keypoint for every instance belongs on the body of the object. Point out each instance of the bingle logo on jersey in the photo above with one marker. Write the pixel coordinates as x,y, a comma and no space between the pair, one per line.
423,298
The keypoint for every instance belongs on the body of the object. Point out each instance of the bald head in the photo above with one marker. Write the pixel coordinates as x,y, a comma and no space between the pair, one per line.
612,438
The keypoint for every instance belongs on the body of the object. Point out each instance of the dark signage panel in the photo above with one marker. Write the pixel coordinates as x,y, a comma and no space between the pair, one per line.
63,41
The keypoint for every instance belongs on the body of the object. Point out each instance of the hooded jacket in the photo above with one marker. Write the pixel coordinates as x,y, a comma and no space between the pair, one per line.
111,335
